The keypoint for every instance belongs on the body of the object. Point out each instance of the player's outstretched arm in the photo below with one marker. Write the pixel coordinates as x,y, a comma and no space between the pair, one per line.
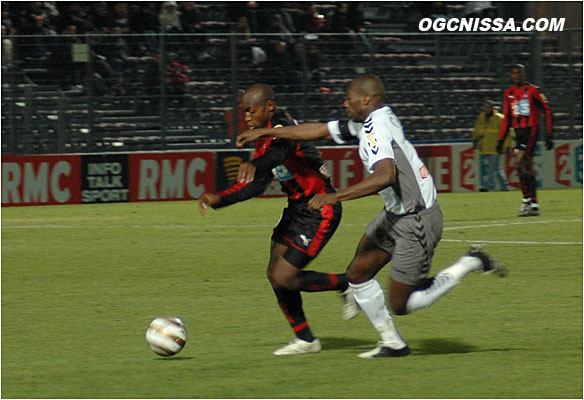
309,131
382,177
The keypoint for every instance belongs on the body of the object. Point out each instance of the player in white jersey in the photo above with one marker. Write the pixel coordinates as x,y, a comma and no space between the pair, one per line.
409,226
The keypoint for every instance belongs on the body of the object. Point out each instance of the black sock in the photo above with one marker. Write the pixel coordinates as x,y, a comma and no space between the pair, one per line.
532,185
524,183
290,303
313,281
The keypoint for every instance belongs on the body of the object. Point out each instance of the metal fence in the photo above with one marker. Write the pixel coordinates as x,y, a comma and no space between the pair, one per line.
96,93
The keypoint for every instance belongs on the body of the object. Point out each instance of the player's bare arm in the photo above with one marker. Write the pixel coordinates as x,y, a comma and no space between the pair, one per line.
382,177
309,131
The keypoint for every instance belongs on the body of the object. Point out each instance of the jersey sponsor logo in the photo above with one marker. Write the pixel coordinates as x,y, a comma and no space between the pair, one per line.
524,107
305,241
281,173
372,142
424,171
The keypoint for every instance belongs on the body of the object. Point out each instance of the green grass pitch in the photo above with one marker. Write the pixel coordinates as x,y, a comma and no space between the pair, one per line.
81,283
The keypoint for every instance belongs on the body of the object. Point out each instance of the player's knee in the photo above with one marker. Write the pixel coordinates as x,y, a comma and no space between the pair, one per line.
357,275
278,279
354,276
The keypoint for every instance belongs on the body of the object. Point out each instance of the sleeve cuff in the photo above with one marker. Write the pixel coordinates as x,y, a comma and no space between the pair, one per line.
335,131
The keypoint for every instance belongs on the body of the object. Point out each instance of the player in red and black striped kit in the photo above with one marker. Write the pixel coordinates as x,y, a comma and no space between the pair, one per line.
301,233
521,106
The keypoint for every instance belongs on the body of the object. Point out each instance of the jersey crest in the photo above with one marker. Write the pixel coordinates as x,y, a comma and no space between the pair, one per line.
372,143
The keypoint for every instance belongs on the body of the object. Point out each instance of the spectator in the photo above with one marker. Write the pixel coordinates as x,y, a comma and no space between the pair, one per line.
349,19
479,9
73,13
309,63
35,20
316,20
144,19
169,17
61,62
102,19
276,26
191,18
279,69
7,19
177,77
485,135
7,51
121,17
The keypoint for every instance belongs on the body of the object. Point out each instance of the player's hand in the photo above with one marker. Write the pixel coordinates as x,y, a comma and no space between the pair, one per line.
320,200
549,142
250,136
246,172
207,200
500,146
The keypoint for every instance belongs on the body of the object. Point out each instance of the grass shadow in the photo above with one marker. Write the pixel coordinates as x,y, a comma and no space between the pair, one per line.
171,358
437,346
336,343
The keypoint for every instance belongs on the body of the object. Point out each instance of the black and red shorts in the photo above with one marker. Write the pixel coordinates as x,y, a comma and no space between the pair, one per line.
306,232
525,139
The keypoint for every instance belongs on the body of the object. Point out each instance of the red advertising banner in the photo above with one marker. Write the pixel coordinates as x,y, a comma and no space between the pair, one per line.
564,171
344,166
171,176
40,180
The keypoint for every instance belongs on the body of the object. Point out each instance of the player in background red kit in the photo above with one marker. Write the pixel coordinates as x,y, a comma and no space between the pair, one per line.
521,106
301,233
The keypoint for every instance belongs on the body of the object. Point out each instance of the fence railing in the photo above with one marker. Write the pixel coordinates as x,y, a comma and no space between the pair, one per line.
96,93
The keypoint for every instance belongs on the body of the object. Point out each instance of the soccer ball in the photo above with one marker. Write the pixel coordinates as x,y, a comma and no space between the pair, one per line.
166,336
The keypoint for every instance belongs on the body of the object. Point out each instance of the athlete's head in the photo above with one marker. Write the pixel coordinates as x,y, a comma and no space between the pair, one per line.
488,107
518,74
364,94
259,105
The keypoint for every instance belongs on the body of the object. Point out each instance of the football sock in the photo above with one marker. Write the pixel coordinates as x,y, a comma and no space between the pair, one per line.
290,303
524,183
532,185
371,299
312,281
444,281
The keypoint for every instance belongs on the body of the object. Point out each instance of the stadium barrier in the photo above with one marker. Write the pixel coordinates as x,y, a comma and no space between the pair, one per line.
179,91
167,176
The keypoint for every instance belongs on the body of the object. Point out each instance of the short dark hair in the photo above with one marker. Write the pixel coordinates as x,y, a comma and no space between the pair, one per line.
519,66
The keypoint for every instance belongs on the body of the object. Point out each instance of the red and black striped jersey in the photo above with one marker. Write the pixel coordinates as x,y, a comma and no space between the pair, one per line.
521,107
297,165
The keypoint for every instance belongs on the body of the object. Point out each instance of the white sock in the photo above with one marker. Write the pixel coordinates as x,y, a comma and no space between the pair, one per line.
444,281
371,299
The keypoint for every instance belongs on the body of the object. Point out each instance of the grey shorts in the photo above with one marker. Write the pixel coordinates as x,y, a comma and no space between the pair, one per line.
410,239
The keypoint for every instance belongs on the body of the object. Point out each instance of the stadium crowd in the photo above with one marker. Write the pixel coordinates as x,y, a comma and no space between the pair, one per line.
46,30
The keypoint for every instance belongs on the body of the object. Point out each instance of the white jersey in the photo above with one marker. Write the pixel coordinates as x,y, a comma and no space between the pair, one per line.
381,136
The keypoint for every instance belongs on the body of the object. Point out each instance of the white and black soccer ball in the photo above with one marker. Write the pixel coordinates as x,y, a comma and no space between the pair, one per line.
166,336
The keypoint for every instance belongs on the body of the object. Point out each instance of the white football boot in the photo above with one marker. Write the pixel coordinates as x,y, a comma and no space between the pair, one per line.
299,346
350,306
524,210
